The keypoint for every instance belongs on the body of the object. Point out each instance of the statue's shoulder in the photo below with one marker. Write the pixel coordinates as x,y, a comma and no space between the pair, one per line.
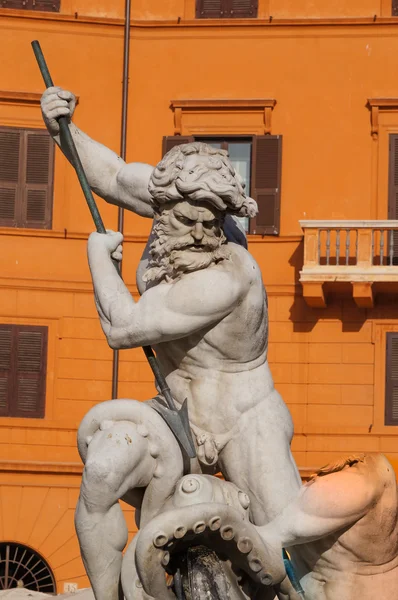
241,255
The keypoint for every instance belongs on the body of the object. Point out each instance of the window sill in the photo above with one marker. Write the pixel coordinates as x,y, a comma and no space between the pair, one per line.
58,234
29,423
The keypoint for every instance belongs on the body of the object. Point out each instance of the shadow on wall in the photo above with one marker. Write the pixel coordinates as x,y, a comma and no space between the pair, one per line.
340,305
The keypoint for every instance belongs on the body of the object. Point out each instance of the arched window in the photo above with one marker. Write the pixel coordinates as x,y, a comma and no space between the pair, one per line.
20,566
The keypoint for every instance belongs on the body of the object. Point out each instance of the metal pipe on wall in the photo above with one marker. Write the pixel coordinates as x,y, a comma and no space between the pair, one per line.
123,139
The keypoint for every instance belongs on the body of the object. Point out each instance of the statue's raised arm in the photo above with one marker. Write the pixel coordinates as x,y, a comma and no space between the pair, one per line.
117,182
125,185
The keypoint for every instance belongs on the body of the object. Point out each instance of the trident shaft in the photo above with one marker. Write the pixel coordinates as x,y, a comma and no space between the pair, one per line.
177,420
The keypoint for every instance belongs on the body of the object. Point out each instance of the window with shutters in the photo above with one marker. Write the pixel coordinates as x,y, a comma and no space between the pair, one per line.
226,9
41,5
258,161
26,178
391,400
23,360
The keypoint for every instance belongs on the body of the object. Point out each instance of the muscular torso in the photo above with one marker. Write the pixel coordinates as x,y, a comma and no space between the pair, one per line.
223,366
358,563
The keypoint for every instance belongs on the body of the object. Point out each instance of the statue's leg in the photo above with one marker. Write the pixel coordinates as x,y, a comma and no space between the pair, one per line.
126,447
259,461
117,460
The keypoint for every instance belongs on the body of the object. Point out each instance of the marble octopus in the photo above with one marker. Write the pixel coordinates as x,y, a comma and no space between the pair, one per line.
203,308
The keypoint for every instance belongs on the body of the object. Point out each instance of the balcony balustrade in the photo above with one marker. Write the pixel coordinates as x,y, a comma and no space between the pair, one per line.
358,257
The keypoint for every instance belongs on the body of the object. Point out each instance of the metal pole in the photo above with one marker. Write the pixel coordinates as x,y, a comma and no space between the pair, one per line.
120,215
178,421
67,136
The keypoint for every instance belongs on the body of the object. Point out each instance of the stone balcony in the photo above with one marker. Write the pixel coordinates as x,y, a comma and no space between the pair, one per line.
359,258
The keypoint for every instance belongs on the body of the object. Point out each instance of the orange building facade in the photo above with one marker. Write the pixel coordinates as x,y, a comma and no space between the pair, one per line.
322,77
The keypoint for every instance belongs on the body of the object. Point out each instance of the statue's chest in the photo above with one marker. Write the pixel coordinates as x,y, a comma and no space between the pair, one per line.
202,348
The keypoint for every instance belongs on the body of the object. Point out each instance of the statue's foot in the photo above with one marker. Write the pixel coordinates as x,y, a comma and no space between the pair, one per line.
217,526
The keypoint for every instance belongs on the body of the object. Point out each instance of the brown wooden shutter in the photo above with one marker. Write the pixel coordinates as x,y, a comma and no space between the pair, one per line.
394,8
5,368
241,9
391,401
19,4
210,9
45,5
28,400
37,194
23,358
266,183
170,141
10,166
26,178
42,5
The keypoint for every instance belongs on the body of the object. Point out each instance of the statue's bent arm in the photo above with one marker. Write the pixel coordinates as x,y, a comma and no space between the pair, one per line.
164,312
125,185
119,183
323,506
107,173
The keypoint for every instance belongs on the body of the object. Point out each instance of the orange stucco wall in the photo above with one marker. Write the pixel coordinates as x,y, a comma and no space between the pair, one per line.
320,62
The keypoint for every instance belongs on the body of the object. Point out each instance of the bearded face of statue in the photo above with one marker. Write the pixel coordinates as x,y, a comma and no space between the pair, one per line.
188,237
194,227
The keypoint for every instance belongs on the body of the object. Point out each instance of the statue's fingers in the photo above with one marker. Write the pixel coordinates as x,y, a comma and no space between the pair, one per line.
54,89
66,95
55,103
117,256
62,111
49,98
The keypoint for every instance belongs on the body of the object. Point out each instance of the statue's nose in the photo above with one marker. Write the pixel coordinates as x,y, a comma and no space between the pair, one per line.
197,232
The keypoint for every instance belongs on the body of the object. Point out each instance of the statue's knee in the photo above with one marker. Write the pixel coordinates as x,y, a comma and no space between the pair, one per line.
100,483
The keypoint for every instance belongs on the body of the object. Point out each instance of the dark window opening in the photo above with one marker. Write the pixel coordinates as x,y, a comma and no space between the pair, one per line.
22,567
23,360
258,160
226,9
391,399
394,8
26,178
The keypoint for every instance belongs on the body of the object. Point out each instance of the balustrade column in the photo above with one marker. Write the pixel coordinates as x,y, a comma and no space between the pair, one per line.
311,247
364,252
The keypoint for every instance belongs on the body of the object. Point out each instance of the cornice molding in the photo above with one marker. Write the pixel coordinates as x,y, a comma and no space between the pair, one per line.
380,104
20,466
12,97
270,23
65,234
219,105
23,98
222,104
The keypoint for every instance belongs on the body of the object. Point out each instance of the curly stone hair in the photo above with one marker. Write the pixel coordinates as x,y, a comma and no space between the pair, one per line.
214,180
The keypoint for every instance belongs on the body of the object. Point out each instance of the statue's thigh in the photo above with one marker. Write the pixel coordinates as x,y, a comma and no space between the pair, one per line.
258,460
113,454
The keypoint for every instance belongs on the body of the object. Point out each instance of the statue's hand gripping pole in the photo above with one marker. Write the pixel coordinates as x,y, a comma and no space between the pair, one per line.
177,420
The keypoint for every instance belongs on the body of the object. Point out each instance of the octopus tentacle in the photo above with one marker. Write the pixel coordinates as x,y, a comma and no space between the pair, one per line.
131,583
218,526
161,445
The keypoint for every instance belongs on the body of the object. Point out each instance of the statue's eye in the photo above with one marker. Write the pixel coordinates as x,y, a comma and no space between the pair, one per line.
185,220
210,224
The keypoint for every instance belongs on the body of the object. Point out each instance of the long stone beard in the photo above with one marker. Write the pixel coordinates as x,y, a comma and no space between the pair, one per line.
172,257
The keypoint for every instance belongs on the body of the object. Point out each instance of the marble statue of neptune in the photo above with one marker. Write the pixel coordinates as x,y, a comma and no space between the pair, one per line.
203,308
